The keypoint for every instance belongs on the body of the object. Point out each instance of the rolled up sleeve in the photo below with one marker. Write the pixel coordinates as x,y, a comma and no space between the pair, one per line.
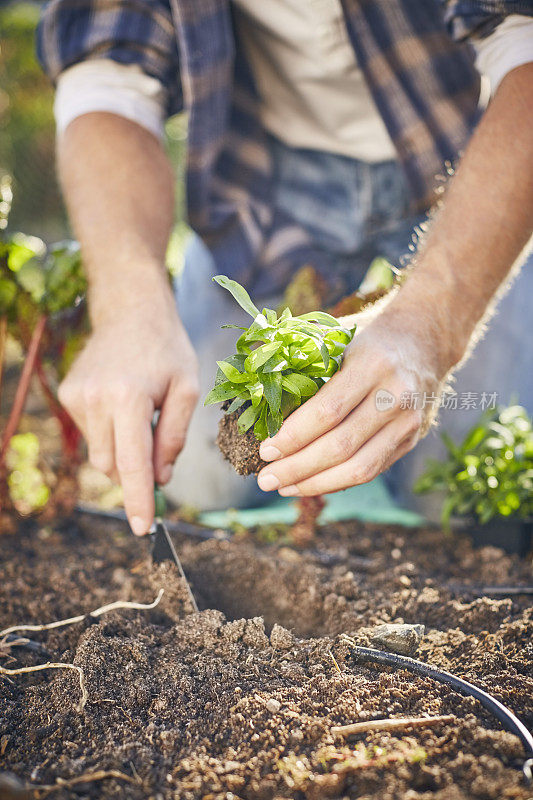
129,32
508,47
476,19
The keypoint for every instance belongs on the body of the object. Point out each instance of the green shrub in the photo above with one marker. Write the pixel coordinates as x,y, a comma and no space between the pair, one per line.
281,361
491,473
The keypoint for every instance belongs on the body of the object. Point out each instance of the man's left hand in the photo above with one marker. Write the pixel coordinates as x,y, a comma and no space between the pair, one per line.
361,421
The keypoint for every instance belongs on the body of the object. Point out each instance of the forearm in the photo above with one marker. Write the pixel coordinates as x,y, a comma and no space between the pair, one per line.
118,187
484,224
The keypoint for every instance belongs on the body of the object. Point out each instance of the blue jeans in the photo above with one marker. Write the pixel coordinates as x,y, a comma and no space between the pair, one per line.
358,212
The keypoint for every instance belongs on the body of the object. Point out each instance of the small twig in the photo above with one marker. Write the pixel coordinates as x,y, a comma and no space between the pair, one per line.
114,702
72,620
52,665
390,724
87,777
335,662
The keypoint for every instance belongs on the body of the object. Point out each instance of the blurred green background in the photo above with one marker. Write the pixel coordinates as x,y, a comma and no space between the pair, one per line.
27,139
26,121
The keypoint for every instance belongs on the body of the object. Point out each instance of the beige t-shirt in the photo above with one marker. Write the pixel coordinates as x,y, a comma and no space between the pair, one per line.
313,94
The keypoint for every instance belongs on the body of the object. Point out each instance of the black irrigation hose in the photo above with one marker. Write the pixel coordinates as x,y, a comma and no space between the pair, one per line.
505,716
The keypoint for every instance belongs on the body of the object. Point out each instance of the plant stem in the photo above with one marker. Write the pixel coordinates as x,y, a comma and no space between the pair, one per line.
70,434
3,338
23,386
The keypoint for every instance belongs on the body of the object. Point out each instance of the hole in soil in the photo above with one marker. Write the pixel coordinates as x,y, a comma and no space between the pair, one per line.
241,583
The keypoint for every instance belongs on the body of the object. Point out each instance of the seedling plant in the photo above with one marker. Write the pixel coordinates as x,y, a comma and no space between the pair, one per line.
280,362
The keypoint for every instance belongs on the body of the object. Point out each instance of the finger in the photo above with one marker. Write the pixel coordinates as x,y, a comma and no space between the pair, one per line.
370,460
172,425
70,397
327,409
334,447
133,449
100,440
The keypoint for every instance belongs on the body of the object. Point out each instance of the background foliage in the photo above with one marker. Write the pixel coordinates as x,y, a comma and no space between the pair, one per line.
490,473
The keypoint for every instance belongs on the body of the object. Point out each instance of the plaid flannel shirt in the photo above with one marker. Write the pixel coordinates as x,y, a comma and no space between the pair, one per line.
423,82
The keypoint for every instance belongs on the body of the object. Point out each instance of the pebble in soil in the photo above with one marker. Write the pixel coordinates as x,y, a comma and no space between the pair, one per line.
205,706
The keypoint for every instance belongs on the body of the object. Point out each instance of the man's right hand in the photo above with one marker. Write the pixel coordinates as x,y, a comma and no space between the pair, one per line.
132,365
119,188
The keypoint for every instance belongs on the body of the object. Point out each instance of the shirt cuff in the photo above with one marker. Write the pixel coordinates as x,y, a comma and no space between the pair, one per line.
105,85
509,46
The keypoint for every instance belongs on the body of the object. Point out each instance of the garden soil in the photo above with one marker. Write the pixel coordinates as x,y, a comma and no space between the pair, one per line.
241,450
238,701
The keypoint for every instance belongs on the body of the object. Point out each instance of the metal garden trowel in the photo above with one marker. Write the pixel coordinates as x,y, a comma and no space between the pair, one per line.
162,546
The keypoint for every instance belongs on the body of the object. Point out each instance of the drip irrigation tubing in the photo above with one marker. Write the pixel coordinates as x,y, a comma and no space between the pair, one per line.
503,714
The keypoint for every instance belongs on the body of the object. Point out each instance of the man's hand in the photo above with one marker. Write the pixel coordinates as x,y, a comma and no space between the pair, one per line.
344,435
119,189
130,367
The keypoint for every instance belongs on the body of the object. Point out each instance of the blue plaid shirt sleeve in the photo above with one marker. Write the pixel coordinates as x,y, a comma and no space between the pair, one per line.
470,19
137,32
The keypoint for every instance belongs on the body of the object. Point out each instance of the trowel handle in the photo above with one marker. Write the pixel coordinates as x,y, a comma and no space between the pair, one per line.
159,502
159,498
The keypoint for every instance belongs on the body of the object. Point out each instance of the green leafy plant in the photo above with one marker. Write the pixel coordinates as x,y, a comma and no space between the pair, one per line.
41,309
490,473
281,361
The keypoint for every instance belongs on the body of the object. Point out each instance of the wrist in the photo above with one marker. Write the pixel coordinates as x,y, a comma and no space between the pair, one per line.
437,304
139,291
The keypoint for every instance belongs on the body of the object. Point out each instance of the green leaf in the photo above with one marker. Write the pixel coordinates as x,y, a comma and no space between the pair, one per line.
224,391
322,317
232,373
270,316
260,427
22,248
288,383
289,403
247,418
237,403
272,386
256,393
275,364
306,386
261,355
274,423
239,293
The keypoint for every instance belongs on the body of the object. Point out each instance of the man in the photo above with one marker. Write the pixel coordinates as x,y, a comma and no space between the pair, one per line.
315,135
